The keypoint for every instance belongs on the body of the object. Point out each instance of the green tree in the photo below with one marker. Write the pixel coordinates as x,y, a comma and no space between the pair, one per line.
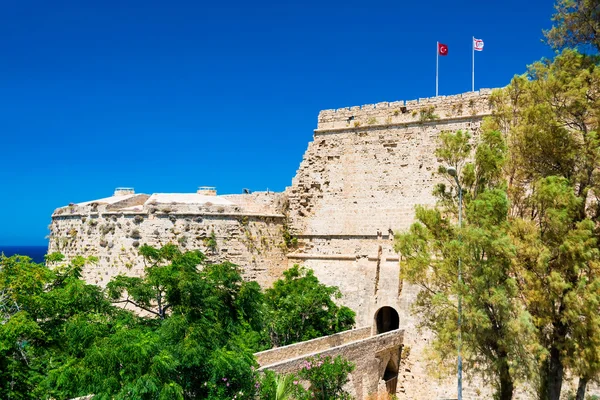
196,342
300,308
494,328
44,312
61,338
550,119
576,22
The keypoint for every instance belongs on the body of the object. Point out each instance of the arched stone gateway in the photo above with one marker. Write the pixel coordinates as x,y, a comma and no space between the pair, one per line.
386,319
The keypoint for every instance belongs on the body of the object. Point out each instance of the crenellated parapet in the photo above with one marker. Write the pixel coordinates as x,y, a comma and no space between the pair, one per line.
460,106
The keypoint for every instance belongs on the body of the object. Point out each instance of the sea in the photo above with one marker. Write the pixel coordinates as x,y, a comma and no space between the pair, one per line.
36,253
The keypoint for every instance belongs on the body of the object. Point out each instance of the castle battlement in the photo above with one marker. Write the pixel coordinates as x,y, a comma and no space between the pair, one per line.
465,105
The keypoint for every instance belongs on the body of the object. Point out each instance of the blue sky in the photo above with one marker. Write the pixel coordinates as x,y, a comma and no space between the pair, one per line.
166,96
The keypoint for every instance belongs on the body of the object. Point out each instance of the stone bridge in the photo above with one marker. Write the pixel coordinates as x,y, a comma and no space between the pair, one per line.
375,351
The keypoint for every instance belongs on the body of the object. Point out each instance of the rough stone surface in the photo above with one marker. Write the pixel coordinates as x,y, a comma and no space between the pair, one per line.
248,233
284,353
358,183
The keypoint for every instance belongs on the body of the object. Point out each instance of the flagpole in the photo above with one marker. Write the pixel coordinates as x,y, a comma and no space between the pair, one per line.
473,70
437,63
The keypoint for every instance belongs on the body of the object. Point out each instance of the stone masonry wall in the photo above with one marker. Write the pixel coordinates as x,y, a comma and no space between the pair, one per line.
358,183
251,240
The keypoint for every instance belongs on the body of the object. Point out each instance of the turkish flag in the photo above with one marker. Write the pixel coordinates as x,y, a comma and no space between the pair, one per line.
442,49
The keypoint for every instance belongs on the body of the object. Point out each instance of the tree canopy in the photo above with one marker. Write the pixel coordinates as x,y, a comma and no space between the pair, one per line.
576,22
550,118
529,244
301,308
193,335
493,324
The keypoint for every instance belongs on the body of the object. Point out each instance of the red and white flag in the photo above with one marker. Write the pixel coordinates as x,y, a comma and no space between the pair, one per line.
477,44
442,49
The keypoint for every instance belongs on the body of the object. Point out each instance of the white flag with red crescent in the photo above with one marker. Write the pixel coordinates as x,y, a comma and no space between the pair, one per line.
477,44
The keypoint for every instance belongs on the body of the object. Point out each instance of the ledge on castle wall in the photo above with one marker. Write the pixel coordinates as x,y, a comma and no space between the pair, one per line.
467,105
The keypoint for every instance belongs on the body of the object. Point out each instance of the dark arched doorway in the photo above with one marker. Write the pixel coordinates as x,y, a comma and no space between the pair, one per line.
386,319
390,376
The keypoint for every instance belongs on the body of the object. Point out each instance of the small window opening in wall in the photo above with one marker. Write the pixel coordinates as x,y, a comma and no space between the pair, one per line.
386,319
351,118
404,110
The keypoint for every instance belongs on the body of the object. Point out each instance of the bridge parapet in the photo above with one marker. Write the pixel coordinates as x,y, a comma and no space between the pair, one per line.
309,347
372,355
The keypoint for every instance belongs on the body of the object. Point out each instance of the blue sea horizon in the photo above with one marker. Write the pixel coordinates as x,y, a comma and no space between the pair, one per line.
36,253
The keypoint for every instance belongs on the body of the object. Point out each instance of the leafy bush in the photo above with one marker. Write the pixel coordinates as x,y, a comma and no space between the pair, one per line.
211,242
280,387
327,377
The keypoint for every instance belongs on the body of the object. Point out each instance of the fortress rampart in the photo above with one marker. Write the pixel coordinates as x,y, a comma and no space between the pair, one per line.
358,183
243,229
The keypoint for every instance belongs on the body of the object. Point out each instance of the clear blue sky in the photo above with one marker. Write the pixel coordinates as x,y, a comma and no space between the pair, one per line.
166,96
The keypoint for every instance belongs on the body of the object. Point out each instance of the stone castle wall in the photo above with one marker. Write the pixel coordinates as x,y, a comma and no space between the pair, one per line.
251,239
358,184
314,346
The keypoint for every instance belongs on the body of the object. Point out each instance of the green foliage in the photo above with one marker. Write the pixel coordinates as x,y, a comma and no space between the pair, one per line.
44,321
300,308
280,387
61,338
327,377
550,118
577,22
196,344
494,328
289,241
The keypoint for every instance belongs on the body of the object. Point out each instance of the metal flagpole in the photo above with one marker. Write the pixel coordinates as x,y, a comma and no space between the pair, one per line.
473,71
437,63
